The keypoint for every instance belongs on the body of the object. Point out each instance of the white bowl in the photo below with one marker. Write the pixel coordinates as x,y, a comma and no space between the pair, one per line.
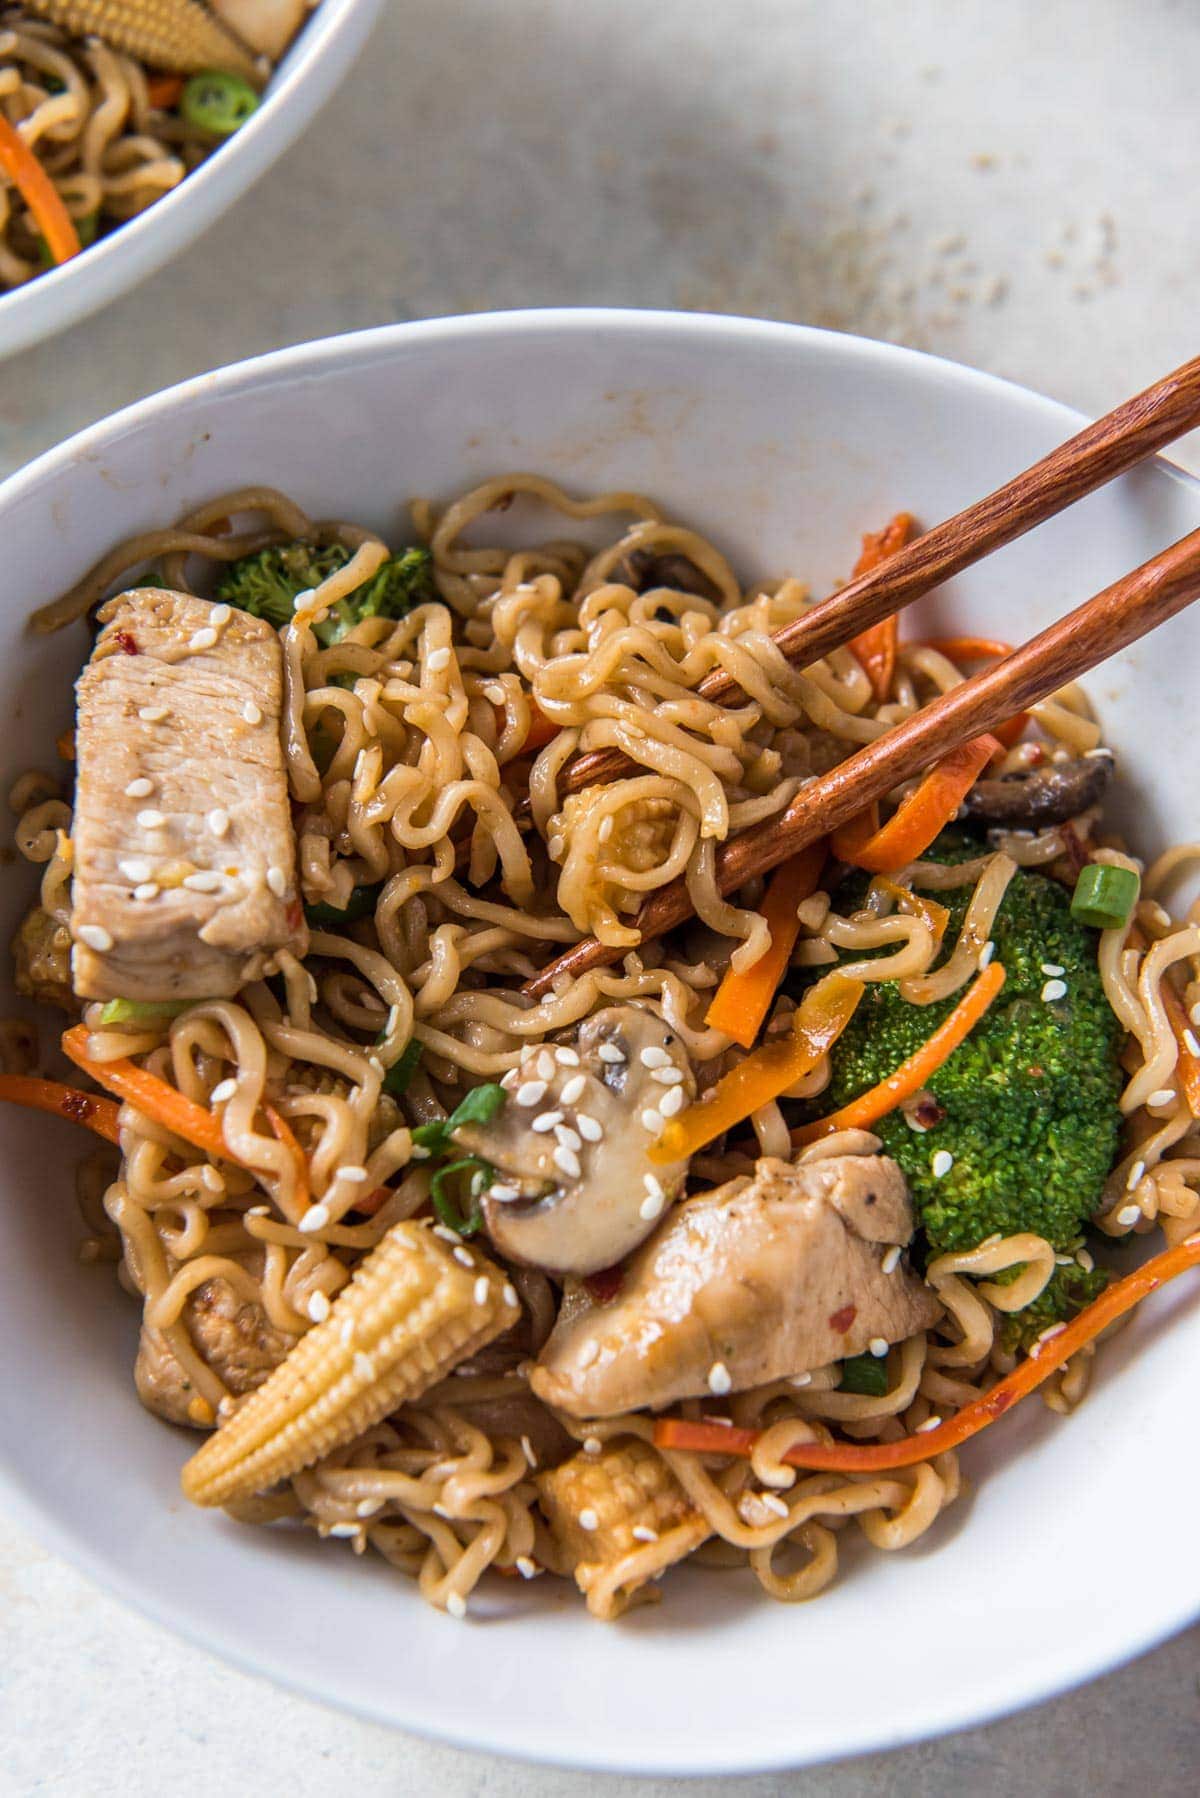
304,80
785,444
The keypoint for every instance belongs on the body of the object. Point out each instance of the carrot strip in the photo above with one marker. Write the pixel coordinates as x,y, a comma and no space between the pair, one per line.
935,916
876,646
286,1135
1188,1065
918,819
914,1073
1012,730
194,1123
758,1078
966,649
67,1102
163,91
39,194
1043,1360
742,1000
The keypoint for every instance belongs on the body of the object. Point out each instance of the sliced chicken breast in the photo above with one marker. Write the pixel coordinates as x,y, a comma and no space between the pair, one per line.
760,1279
185,860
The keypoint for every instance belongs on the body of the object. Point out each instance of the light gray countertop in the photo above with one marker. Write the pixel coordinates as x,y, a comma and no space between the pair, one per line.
1008,186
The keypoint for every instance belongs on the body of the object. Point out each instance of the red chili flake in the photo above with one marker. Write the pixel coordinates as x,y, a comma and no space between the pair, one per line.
1033,755
841,1320
77,1106
126,642
605,1284
1035,1072
294,914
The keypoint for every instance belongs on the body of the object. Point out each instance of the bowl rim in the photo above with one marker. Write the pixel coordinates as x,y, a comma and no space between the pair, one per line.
1037,1679
310,71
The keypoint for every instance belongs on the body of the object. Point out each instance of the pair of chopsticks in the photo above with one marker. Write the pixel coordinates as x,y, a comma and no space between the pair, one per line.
1094,631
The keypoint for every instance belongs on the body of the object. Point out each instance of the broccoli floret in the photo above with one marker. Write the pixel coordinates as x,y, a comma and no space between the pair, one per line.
1027,1105
1063,1296
266,584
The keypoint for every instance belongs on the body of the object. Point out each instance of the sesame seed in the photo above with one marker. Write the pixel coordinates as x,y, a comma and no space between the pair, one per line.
592,1445
1194,1014
1164,1096
508,1293
418,1152
652,1121
672,1101
220,615
931,1423
555,846
800,1379
277,881
364,1367
1190,1043
343,1530
545,1121
720,1380
573,1089
567,1162
495,692
502,1192
590,1128
440,1510
1085,1261
480,1295
205,880
367,1507
986,953
568,1138
531,1093
566,1058
545,1065
318,1307
149,889
1048,1334
525,1567
1129,1215
1134,1176
667,1076
606,829
464,1257
653,1186
1064,1261
251,713
354,1173
218,822
654,1057
641,1532
941,1164
141,788
773,1502
301,600
878,1346
609,1052
315,1218
446,1233
891,1260
588,1519
527,1451
136,869
437,660
1054,989
202,639
152,714
151,820
456,1604
259,1211
222,1092
96,937
1052,967
212,1177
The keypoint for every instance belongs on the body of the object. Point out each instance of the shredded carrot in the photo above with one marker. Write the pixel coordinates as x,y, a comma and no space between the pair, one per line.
1044,1359
39,193
67,1102
163,91
760,1077
742,1000
967,649
287,1137
1012,730
918,819
375,1200
917,1071
876,646
158,1100
1188,1065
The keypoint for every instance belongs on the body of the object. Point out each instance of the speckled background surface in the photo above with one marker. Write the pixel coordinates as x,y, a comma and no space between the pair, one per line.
1010,186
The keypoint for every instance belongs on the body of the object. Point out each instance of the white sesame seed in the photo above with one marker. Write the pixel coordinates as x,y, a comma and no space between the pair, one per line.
251,713
555,846
205,880
456,1604
1129,1215
588,1519
568,1138
1064,1261
567,1162
508,1293
606,829
218,822
1048,1334
418,1152
672,1101
96,937
446,1233
1164,1096
151,820
641,1532
440,1510
931,1423
878,1346
566,1058
364,1367
1052,967
212,1177
502,1192
136,869
315,1218
259,1211
527,1451
654,1057
301,601
652,1121
986,953
223,1092
367,1507
149,889
220,615
544,1065
545,1121
941,1164
1190,1043
573,1089
720,1379
773,1503
800,1379
609,1052
318,1307
667,1076
437,660
343,1530
891,1260
153,714
1085,1261
141,788
464,1257
277,881
1134,1176
1054,989
653,1186
525,1567
495,693
482,1289
592,1445
1194,1014
590,1128
202,639
531,1093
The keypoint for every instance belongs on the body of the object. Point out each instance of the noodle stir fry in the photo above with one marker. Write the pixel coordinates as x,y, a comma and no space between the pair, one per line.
704,1255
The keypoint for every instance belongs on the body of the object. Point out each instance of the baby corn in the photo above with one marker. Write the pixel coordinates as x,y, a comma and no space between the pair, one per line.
180,35
622,1517
412,1311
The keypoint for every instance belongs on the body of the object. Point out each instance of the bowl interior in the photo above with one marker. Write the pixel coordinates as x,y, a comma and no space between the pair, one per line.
784,445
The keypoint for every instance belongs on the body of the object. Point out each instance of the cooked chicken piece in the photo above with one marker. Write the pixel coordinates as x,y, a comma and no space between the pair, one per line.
231,1334
577,1193
267,26
42,960
757,1280
185,881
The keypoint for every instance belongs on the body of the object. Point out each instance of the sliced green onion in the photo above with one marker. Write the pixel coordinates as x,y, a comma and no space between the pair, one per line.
480,1106
143,1011
482,1174
1104,896
396,1080
360,904
865,1374
217,103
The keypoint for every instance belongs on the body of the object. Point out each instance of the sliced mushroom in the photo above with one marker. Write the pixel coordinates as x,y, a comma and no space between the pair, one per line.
577,1190
1047,795
642,570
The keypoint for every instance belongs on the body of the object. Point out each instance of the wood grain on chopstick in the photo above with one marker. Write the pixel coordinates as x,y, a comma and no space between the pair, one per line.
1094,456
1099,628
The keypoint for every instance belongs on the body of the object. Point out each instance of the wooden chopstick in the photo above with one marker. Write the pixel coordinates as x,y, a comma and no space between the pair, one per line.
1099,453
1099,628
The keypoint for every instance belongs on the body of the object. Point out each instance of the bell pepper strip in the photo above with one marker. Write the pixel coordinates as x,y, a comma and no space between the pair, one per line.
163,92
1046,1357
68,1102
936,917
876,646
920,817
155,1097
287,1136
39,194
743,999
966,649
917,1071
761,1076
